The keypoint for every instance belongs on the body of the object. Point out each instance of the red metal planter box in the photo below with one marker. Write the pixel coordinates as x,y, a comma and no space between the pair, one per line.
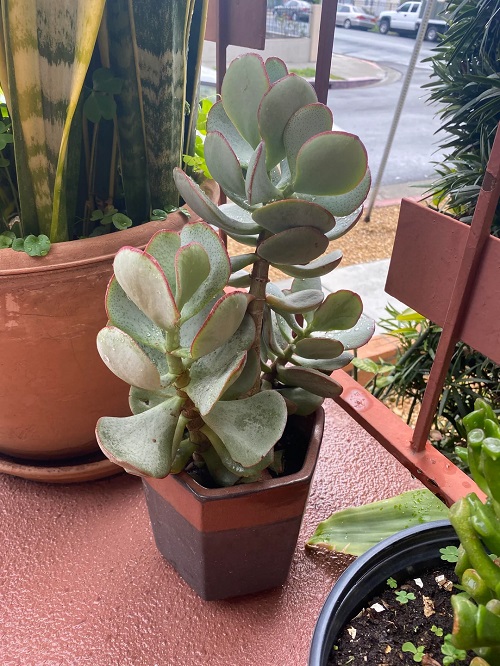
227,542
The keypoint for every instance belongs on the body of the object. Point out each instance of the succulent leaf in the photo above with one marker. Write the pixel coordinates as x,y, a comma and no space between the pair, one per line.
218,121
320,348
321,266
299,284
310,380
229,463
192,267
303,125
221,324
212,374
141,444
209,382
238,214
306,402
240,279
330,163
124,314
340,310
245,83
273,290
140,400
328,365
343,205
259,188
240,261
142,279
296,303
163,246
290,213
220,268
190,328
250,427
280,102
355,337
251,241
201,204
276,69
344,224
272,335
246,379
294,246
123,356
223,164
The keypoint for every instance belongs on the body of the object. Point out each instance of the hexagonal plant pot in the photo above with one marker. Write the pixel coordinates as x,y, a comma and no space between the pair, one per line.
227,542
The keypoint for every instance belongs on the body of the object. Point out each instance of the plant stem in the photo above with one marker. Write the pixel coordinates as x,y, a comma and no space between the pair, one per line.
258,281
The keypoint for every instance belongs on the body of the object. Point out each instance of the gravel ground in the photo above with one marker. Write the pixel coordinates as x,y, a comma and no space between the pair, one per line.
368,241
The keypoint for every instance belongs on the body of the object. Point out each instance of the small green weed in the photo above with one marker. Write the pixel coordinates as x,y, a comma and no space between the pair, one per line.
392,583
436,630
452,654
404,597
417,652
449,554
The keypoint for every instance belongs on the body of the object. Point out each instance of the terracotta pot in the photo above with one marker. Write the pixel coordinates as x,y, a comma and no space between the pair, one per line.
53,385
405,554
227,542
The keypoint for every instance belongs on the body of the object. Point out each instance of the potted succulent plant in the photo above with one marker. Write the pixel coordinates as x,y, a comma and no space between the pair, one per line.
227,384
473,525
90,134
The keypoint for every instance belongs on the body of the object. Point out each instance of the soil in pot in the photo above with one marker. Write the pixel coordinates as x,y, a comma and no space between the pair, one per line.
416,611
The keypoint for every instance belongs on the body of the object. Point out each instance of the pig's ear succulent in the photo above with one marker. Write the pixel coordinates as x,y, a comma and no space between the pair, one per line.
213,374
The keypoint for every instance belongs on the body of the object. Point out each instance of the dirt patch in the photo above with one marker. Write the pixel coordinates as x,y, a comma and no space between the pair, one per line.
377,635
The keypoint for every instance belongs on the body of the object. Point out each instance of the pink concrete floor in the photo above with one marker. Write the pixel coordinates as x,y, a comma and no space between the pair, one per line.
81,582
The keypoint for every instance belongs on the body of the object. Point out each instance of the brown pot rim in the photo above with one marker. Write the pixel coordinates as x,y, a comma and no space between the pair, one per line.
75,253
203,494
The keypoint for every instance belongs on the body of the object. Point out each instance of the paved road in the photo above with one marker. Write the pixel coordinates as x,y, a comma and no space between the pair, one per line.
368,111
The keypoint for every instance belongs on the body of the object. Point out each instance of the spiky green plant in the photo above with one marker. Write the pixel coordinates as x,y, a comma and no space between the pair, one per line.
96,92
213,374
465,83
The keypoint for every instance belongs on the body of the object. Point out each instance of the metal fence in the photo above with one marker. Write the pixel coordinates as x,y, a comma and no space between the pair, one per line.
280,24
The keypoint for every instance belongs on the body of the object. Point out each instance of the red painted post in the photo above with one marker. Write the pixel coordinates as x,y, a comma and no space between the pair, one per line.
478,234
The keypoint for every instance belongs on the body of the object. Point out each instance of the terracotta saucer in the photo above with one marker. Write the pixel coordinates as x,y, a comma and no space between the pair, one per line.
85,468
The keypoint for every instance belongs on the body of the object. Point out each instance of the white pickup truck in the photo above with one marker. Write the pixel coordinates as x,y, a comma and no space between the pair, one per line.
407,18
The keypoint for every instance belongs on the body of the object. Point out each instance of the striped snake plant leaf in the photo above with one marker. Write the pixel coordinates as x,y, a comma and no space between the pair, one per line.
153,65
53,40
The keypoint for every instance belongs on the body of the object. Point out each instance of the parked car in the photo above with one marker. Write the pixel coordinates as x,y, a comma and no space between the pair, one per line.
295,10
350,16
406,19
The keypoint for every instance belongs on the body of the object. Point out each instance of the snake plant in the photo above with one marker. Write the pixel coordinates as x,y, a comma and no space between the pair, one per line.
214,371
96,94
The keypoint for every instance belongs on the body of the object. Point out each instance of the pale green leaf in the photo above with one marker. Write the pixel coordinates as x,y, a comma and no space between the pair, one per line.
289,213
223,164
276,68
140,400
327,365
197,199
320,348
331,163
192,267
220,269
142,279
294,246
322,266
218,121
250,427
296,303
222,322
303,125
229,463
246,379
352,338
142,444
163,246
340,310
259,188
285,96
310,380
357,529
306,402
125,358
343,206
244,84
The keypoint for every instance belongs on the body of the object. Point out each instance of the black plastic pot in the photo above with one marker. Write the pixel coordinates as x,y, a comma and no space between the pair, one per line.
409,552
